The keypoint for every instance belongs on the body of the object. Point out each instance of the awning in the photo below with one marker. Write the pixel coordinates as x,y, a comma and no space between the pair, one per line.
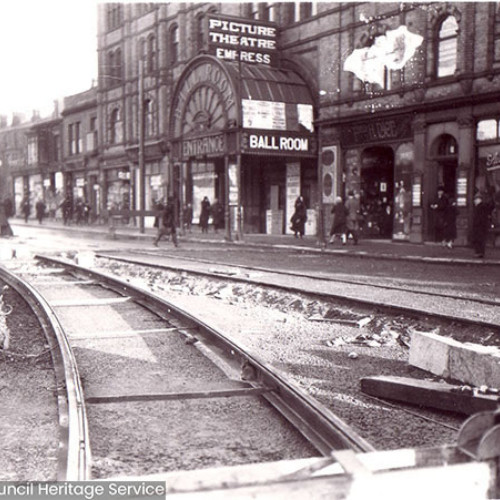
262,83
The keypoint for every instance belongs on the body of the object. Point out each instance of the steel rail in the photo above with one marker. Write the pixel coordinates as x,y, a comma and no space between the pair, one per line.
392,308
315,422
74,443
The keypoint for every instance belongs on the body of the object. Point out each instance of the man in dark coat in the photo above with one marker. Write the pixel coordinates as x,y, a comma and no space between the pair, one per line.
339,221
167,224
440,207
480,225
217,211
204,214
40,210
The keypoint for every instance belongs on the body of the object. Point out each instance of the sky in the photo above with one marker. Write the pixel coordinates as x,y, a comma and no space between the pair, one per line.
48,50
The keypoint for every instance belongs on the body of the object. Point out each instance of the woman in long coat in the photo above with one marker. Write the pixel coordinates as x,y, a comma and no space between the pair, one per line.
339,221
299,218
204,214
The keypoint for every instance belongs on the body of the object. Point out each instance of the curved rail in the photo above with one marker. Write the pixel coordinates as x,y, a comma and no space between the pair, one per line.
74,444
319,425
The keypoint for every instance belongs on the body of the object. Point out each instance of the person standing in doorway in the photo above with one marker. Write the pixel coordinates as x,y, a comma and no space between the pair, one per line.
440,207
204,214
26,208
217,211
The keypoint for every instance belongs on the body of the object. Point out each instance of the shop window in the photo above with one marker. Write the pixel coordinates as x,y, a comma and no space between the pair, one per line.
447,43
487,130
174,44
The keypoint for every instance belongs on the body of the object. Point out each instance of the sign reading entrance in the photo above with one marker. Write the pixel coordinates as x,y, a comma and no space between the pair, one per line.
247,40
203,146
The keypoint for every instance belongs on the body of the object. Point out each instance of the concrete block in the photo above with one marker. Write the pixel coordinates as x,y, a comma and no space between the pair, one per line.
430,352
468,363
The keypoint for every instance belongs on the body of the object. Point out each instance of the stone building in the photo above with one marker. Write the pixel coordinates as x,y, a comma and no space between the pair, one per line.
254,104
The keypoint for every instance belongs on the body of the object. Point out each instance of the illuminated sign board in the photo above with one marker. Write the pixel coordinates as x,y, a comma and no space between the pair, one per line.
249,41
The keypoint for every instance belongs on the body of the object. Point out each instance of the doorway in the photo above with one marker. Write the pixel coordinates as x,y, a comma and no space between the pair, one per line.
377,192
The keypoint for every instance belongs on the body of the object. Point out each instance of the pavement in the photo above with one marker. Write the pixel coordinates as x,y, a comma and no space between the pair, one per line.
367,248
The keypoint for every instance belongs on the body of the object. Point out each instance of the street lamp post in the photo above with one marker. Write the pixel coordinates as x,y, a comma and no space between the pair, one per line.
142,174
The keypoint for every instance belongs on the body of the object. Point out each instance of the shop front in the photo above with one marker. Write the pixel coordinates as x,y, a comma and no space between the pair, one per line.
374,160
242,135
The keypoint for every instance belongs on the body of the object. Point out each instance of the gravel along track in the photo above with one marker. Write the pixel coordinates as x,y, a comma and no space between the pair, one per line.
28,409
464,308
123,349
326,358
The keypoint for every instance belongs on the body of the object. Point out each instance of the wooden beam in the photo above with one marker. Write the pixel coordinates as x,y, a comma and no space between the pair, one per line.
172,396
439,395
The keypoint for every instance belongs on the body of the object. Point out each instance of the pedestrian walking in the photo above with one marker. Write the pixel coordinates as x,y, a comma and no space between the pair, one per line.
158,208
217,212
167,224
440,207
299,218
26,208
40,210
480,225
67,209
450,223
204,214
339,221
353,215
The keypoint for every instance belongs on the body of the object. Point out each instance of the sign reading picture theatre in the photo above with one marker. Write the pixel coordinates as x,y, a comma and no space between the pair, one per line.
249,41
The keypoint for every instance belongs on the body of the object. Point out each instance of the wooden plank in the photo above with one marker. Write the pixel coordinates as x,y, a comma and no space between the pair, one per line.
442,472
173,396
439,395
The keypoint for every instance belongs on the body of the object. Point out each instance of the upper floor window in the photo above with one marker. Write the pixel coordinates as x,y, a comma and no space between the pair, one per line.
496,34
114,15
200,32
269,12
174,44
115,127
32,150
151,54
74,139
487,130
447,44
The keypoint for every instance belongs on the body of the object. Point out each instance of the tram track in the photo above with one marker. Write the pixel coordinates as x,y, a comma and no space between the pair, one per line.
464,307
321,428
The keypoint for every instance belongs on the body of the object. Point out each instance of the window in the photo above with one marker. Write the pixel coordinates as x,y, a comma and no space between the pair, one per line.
200,33
149,118
115,127
174,44
487,130
74,139
447,47
447,146
117,73
496,34
151,56
269,12
32,151
114,15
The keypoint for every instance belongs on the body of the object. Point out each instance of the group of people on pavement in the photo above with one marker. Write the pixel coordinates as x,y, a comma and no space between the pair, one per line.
346,218
214,210
446,211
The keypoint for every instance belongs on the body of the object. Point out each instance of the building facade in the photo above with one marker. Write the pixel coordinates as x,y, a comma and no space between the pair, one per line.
254,104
